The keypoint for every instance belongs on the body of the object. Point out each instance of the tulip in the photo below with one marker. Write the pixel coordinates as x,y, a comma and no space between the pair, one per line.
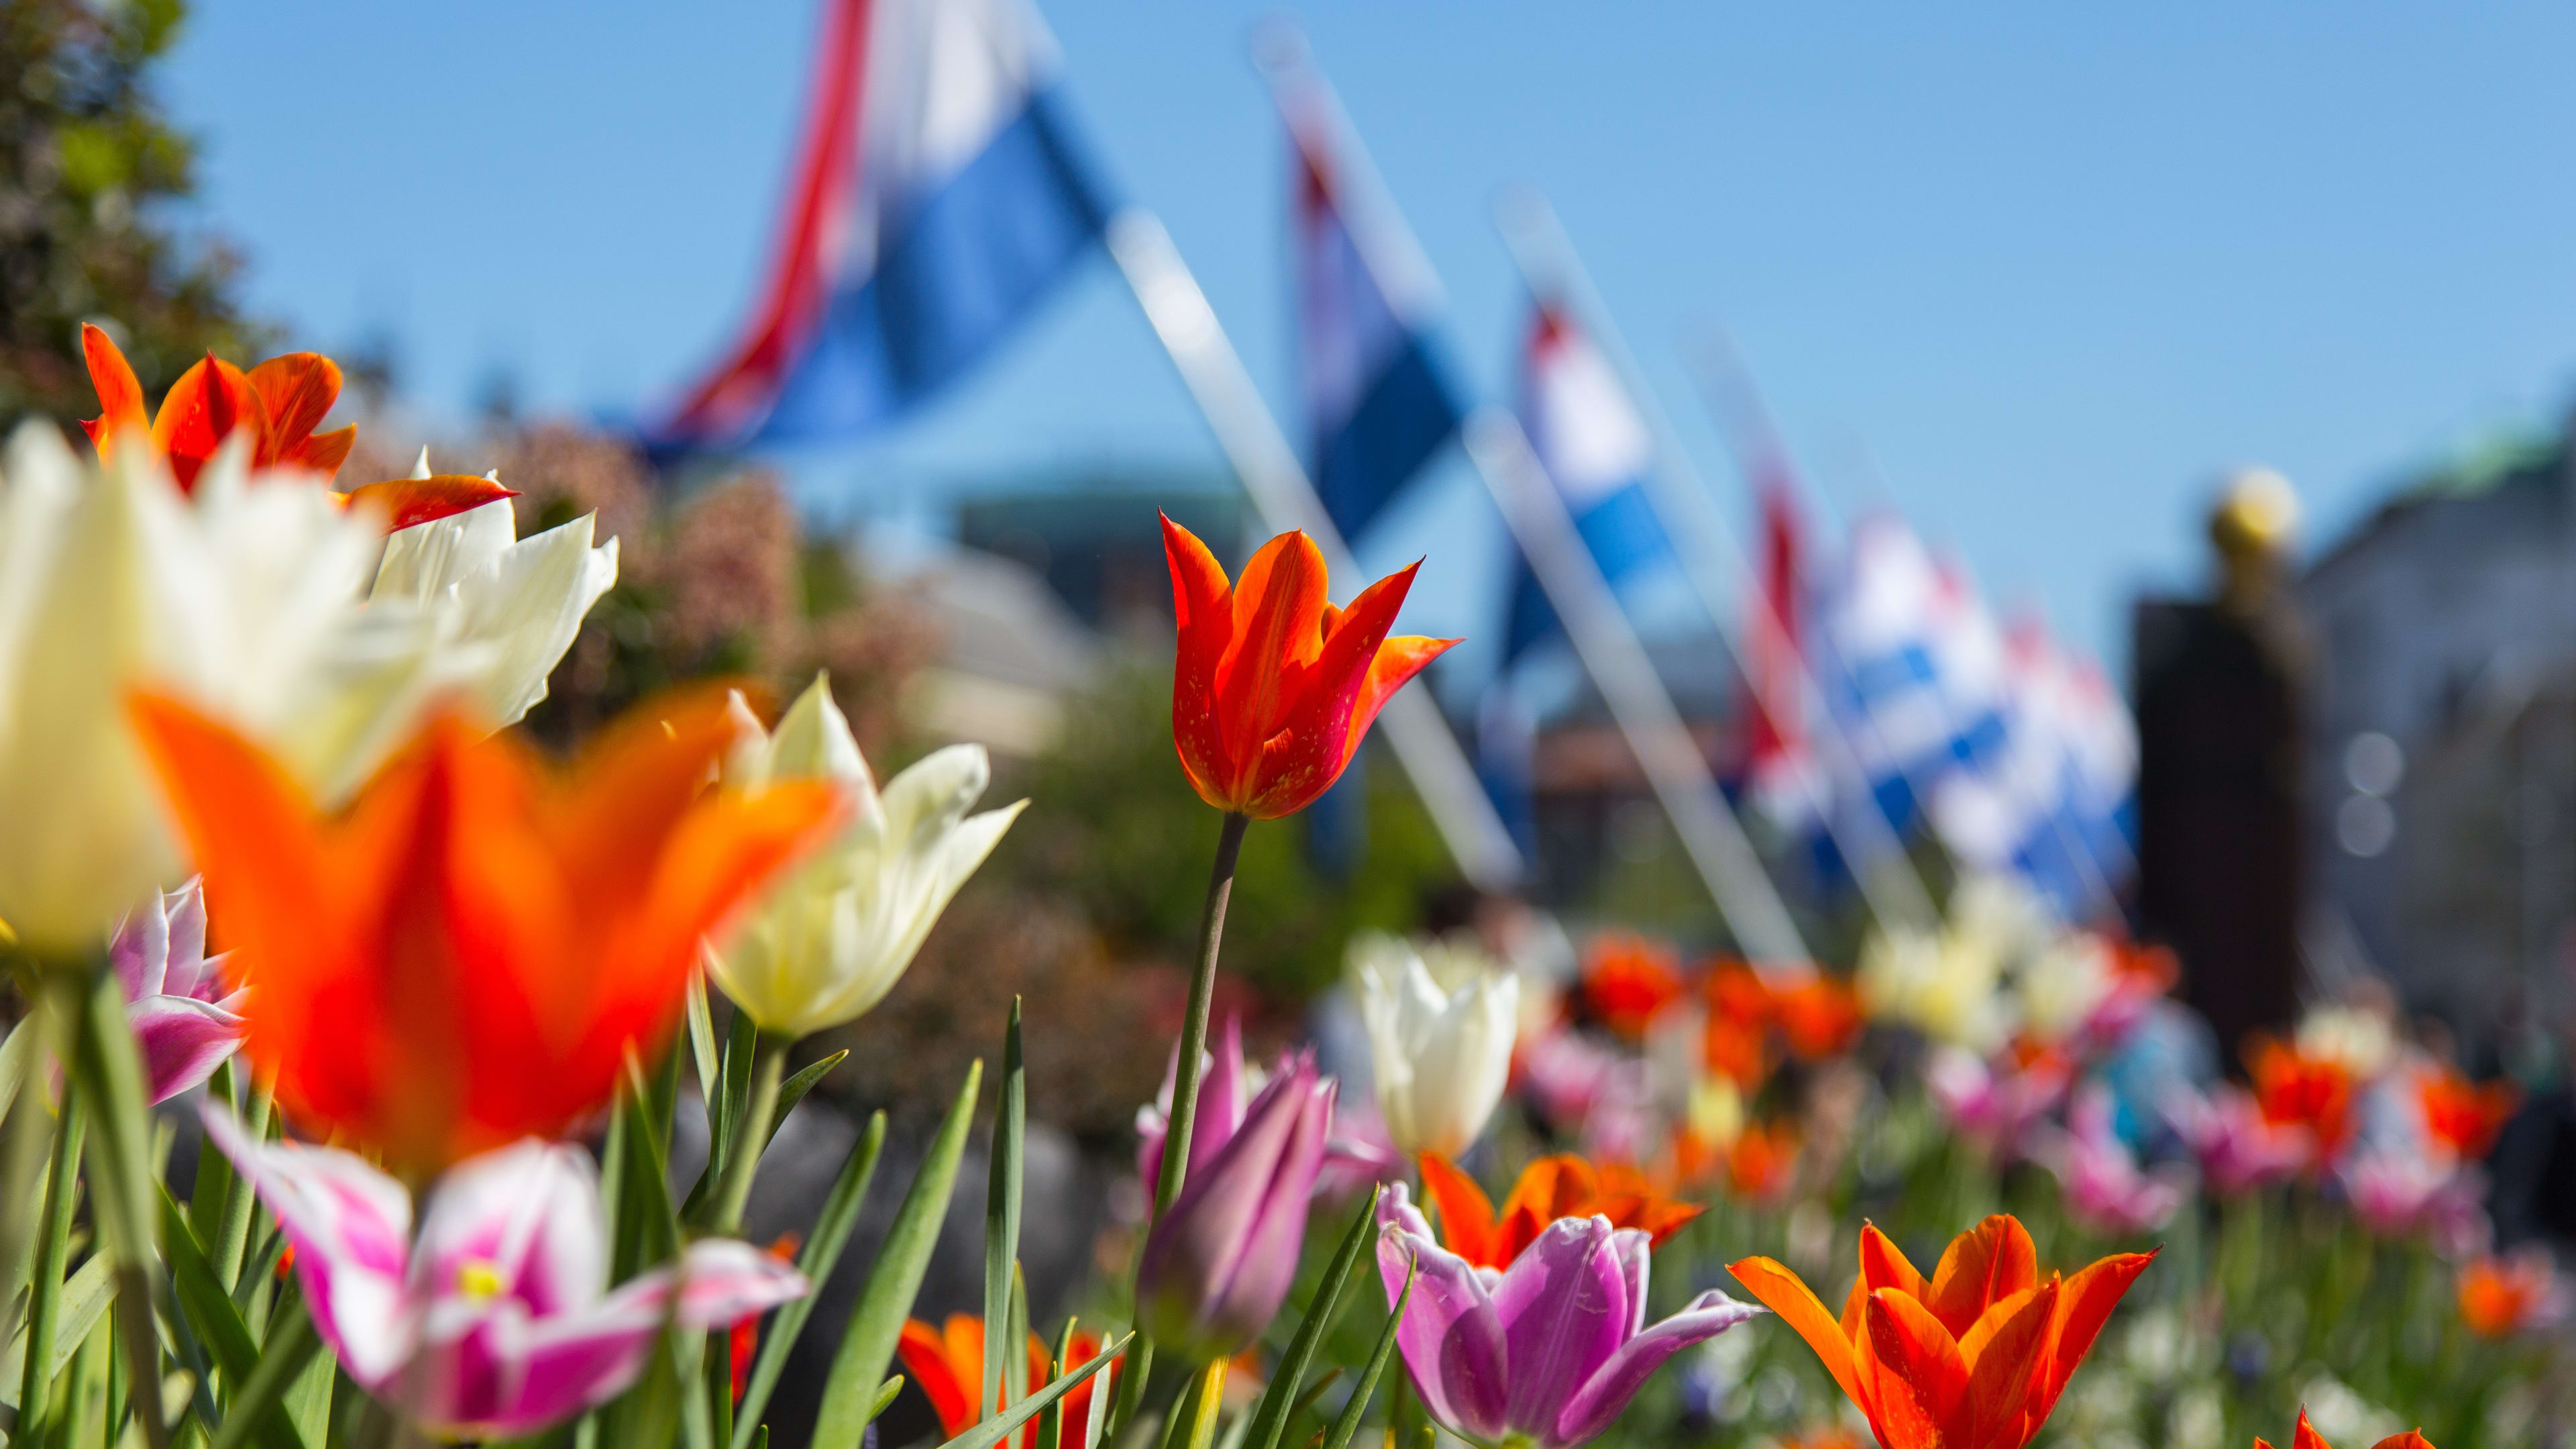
1762,1163
1227,1082
184,1020
497,1319
468,954
237,597
1820,1015
1973,1357
947,1361
2105,1190
276,406
1627,980
1219,1261
2500,1297
1549,1189
1998,1106
2397,1194
2298,1086
837,935
1274,687
2307,1438
1440,1052
2239,1149
2462,1119
1545,1353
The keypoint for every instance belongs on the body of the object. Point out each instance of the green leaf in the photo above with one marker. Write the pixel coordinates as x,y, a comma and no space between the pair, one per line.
1002,1219
210,1313
702,1042
1051,1419
793,1090
1349,1423
821,1253
1270,1417
993,1430
45,1282
867,1347
647,1230
885,1397
293,1349
84,1301
1194,1424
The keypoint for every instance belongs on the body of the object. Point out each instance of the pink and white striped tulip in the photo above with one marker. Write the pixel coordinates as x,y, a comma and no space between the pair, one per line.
184,1020
495,1319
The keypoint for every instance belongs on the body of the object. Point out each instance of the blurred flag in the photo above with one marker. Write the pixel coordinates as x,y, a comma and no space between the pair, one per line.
2053,804
938,197
1588,434
1780,771
1911,666
1376,403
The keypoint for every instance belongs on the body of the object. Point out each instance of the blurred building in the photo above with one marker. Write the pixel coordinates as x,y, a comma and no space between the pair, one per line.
2441,774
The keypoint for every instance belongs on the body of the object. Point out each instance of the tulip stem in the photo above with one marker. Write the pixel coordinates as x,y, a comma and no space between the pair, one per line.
1185,1083
768,1063
54,1230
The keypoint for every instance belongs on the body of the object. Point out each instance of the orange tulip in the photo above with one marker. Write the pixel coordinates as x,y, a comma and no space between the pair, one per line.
2464,1116
2296,1089
467,956
278,403
1627,979
2500,1297
1563,1186
1820,1016
1973,1357
948,1362
1274,687
2307,1438
1761,1163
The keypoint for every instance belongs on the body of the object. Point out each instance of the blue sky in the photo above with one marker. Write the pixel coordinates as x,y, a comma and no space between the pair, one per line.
2033,274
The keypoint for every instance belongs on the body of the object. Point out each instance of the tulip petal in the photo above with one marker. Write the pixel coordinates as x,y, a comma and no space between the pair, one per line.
1983,1266
182,1040
1607,1393
2411,1439
2083,1306
298,389
1278,612
1788,1295
1451,1337
411,502
924,1351
1205,617
1919,1375
139,953
725,1280
120,396
1307,742
185,970
2003,1351
1466,1214
527,1215
1558,1186
2306,1437
351,1229
322,453
1563,1305
1884,1265
209,403
1219,1261
1398,659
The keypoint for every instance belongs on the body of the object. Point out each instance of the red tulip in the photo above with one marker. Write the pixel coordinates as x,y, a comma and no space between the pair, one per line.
1275,687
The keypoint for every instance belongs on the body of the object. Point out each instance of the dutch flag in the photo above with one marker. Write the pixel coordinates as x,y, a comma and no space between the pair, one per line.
1377,402
1587,432
2054,803
938,198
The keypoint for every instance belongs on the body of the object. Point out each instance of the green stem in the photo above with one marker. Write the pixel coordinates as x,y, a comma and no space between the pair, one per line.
109,1071
53,1245
733,1191
1185,1082
232,1227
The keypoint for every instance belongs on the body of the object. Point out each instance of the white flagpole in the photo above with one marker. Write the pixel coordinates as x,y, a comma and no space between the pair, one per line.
1188,329
1645,714
1711,557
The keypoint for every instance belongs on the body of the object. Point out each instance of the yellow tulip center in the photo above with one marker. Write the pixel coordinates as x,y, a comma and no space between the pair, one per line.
477,1279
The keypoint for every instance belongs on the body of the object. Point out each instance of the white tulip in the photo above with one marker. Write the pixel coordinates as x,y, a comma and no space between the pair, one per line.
234,598
1440,1039
837,935
516,603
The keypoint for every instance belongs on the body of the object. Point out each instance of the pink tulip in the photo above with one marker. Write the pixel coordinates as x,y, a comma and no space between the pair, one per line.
495,1319
2104,1189
2239,1149
1218,1263
1545,1353
185,1022
1997,1106
1226,1084
2399,1194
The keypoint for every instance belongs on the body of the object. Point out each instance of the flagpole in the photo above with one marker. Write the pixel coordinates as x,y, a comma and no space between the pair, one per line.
1188,329
1888,882
1726,389
1644,711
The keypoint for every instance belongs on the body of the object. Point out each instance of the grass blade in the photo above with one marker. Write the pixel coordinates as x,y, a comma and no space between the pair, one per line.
1051,1418
867,1348
702,1042
85,1297
281,1365
793,1090
994,1430
1270,1417
821,1253
1349,1423
53,1244
210,1313
1002,1218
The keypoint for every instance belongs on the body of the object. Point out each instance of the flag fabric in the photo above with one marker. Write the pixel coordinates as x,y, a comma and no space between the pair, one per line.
1780,773
1587,433
1378,405
2053,804
937,199
1911,667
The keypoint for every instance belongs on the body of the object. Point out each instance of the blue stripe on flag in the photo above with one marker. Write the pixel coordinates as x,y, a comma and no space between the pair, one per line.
1405,416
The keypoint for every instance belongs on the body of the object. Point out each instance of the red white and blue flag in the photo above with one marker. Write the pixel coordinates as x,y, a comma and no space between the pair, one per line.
937,199
1377,404
1588,434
